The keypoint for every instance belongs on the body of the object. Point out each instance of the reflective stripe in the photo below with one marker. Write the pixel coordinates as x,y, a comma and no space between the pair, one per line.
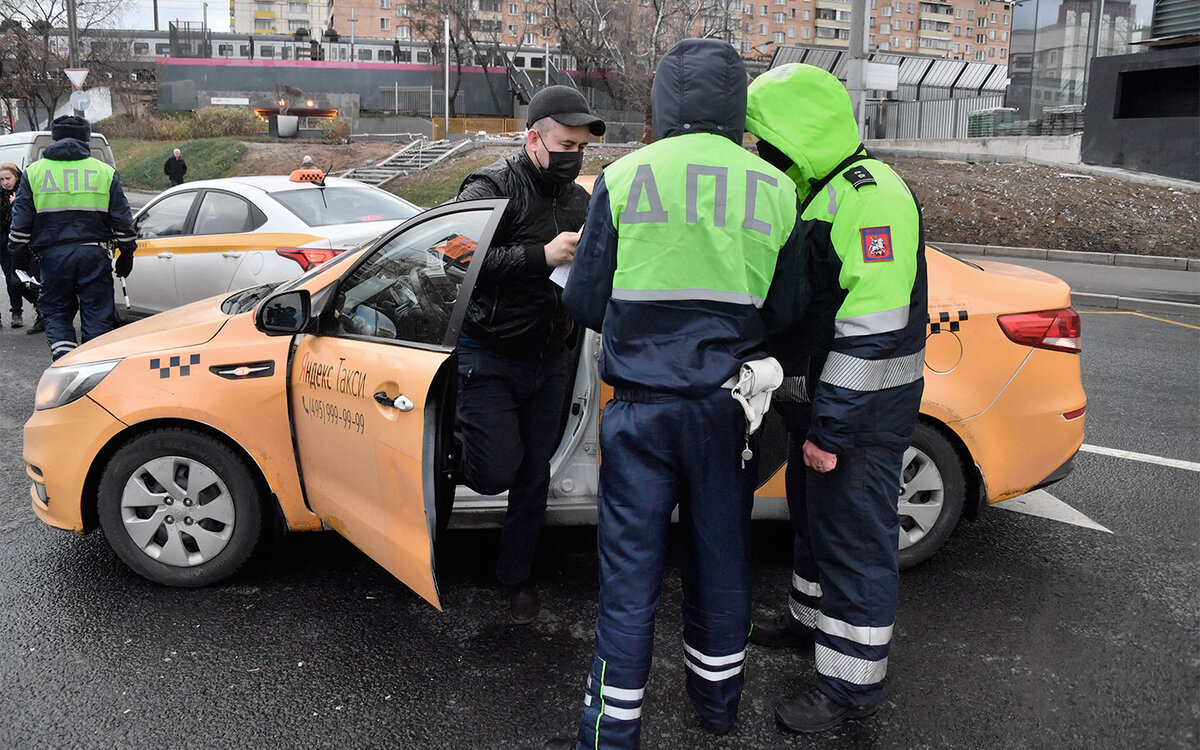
712,675
876,322
806,616
805,587
64,346
832,209
683,295
56,209
865,634
714,661
643,182
621,694
849,668
622,714
860,374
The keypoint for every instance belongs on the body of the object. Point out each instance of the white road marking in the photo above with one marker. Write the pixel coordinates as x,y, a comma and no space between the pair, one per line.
1144,457
1044,505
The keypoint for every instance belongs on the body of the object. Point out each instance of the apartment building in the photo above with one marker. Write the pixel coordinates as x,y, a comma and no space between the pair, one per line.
974,30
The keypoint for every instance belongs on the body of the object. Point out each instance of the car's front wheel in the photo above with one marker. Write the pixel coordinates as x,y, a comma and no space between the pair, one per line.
180,508
932,495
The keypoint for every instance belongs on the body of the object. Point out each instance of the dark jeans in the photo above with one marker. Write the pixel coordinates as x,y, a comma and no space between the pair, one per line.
15,300
509,410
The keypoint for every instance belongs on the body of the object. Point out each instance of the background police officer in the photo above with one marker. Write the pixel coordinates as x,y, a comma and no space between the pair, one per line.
858,385
66,205
512,357
689,259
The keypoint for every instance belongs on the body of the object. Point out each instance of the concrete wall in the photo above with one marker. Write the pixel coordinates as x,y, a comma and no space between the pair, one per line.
1143,113
1042,149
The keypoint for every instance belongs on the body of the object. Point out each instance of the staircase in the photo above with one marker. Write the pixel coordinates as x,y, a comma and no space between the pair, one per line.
414,157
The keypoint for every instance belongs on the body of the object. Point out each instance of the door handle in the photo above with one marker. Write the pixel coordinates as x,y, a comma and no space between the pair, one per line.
401,402
231,254
165,255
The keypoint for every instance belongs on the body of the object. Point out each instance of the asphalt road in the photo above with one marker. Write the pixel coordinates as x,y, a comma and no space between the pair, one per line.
1022,632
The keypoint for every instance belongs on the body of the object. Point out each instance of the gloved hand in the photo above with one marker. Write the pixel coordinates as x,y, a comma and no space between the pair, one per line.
124,264
22,258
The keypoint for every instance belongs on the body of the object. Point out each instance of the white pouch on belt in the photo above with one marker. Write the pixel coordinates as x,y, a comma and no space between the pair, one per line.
752,388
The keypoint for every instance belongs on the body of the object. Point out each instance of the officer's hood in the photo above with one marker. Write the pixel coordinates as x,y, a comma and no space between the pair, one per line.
67,149
699,87
804,112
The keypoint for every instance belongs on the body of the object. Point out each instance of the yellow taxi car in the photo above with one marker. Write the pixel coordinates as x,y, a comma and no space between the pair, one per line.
329,401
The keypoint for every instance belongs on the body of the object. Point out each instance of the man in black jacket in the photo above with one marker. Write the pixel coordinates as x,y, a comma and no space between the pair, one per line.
512,366
175,168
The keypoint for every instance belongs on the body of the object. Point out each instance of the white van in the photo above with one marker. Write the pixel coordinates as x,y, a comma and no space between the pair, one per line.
25,148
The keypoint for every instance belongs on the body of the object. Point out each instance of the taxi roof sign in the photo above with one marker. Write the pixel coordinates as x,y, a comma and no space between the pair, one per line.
307,175
77,76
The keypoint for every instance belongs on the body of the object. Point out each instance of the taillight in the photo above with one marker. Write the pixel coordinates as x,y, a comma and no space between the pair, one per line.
309,257
1057,330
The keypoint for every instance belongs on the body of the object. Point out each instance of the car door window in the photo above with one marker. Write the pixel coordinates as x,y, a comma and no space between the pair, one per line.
222,213
167,218
407,288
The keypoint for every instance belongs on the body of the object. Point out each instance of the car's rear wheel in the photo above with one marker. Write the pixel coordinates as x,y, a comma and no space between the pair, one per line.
932,495
180,508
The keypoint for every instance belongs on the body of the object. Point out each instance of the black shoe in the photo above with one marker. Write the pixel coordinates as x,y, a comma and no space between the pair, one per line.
815,712
560,743
18,321
523,604
718,731
779,634
39,326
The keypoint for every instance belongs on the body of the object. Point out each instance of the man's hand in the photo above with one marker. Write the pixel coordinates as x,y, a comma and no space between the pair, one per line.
561,249
124,263
818,460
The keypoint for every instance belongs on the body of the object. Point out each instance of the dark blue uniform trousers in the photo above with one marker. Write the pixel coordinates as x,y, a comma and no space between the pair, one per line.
75,279
659,451
509,410
845,578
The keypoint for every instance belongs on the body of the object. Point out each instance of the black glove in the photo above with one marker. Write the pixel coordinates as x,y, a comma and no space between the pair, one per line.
124,263
22,258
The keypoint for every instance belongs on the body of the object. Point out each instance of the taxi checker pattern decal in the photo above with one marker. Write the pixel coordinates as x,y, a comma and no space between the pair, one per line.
944,318
172,364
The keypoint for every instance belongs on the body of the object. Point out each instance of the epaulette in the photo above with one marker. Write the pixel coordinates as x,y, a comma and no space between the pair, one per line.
858,176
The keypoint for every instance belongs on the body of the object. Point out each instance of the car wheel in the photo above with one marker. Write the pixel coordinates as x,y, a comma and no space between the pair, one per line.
180,508
932,495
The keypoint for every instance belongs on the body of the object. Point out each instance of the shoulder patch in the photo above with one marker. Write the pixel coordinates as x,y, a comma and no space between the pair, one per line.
858,176
876,244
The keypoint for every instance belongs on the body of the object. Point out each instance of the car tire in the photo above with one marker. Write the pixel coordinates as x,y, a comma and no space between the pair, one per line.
169,527
933,491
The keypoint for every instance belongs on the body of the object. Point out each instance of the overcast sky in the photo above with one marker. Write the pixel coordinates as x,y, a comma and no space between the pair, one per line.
139,14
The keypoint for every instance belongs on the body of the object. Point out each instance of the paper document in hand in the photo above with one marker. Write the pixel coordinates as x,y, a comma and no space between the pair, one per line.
560,273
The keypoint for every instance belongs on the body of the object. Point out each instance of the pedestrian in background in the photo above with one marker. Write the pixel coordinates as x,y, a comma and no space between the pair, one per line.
10,175
175,168
857,390
691,258
67,204
513,354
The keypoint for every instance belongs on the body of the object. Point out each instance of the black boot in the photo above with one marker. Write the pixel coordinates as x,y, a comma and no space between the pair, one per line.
523,603
815,712
779,634
39,326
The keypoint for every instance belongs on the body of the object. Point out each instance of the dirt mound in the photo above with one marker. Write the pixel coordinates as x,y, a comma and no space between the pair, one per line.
283,156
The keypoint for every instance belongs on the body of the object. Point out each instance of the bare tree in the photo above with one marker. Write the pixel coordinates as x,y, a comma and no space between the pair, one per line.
37,53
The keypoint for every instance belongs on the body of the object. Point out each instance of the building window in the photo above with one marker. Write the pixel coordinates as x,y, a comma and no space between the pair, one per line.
764,10
958,31
778,18
970,15
762,28
1005,19
805,32
912,8
957,48
991,51
298,8
295,25
992,35
791,32
530,38
791,12
512,9
777,37
1003,53
908,43
886,11
806,14
404,32
885,28
979,56
512,29
531,16
264,24
1004,36
993,17
958,12
385,23
895,41
385,4
884,47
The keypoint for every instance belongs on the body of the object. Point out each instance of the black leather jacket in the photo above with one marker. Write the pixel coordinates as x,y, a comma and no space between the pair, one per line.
515,308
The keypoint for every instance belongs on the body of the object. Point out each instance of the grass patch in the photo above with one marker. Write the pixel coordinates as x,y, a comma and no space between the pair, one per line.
440,184
141,162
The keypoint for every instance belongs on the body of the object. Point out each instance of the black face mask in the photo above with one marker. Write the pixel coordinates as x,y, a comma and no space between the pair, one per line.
564,166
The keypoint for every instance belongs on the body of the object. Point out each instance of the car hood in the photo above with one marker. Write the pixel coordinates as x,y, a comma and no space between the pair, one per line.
183,327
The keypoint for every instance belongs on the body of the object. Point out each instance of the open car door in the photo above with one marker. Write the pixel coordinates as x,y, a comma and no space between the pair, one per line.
370,394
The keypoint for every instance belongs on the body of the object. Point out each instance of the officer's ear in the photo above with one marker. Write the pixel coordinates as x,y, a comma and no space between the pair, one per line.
774,156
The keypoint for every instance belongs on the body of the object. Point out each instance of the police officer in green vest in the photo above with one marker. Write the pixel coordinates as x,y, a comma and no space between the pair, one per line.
689,260
67,204
851,399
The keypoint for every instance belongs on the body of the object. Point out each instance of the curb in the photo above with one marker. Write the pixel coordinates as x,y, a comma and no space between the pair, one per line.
1138,304
1073,256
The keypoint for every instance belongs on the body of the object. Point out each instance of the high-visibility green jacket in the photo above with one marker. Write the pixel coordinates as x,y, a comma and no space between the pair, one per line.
865,328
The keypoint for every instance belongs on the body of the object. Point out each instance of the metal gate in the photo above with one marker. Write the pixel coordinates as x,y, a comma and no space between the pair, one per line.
937,118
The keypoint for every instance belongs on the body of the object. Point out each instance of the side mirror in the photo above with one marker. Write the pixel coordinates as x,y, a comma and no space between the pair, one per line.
286,313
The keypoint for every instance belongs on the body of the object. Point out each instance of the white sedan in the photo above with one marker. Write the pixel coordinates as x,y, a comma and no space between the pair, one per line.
209,237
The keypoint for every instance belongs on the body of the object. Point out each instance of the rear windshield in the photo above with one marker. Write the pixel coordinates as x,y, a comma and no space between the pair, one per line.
319,207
